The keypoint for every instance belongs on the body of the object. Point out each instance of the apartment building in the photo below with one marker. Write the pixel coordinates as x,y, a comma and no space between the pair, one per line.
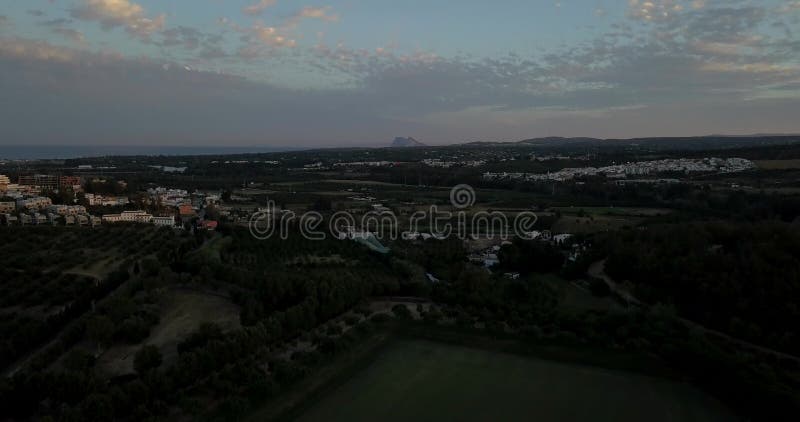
39,218
4,182
100,200
186,209
67,209
37,202
7,207
164,221
128,217
9,219
44,181
70,182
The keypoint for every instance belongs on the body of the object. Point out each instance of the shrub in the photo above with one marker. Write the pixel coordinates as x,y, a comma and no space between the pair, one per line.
147,358
401,311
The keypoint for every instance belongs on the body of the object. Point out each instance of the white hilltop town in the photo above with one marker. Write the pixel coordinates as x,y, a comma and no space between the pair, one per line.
639,168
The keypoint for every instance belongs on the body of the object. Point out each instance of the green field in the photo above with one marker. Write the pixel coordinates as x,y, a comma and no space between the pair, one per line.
593,224
415,380
617,211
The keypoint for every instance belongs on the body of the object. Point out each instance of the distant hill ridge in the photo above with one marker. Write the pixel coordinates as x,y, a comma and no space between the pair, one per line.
401,142
686,141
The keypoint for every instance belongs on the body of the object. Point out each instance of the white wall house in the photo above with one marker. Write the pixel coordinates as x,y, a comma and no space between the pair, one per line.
164,221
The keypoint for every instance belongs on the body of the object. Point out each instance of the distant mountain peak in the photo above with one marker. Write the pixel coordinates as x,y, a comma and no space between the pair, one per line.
401,142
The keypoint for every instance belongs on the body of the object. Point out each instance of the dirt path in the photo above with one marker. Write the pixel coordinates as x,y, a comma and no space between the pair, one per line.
182,311
378,305
597,270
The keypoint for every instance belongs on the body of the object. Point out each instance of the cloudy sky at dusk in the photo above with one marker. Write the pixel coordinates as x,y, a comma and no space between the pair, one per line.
360,72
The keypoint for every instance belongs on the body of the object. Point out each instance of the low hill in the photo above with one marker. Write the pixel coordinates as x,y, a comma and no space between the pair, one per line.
655,143
409,142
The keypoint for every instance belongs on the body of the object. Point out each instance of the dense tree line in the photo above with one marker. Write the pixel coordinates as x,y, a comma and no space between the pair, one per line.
38,300
267,280
530,256
280,301
289,290
743,279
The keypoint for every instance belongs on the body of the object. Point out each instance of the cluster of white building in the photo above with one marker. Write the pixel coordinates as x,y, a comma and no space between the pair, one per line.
181,199
207,197
543,158
52,214
102,200
314,166
26,209
15,190
170,169
640,168
169,197
362,198
65,210
138,217
269,162
34,203
77,215
436,162
365,164
421,236
547,236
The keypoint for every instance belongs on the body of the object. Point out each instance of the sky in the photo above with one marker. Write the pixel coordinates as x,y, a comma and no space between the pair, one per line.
293,73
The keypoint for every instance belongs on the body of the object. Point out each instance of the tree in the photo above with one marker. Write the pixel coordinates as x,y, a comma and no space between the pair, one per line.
100,329
147,358
401,311
97,407
599,287
234,408
78,360
527,256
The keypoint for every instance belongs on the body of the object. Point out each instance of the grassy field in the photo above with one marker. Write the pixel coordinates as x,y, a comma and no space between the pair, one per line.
778,164
422,380
98,269
573,297
593,224
184,311
616,211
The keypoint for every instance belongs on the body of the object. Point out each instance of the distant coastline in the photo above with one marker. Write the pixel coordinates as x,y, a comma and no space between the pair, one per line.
50,152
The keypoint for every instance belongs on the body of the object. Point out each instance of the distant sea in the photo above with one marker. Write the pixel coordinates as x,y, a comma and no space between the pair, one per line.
43,152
